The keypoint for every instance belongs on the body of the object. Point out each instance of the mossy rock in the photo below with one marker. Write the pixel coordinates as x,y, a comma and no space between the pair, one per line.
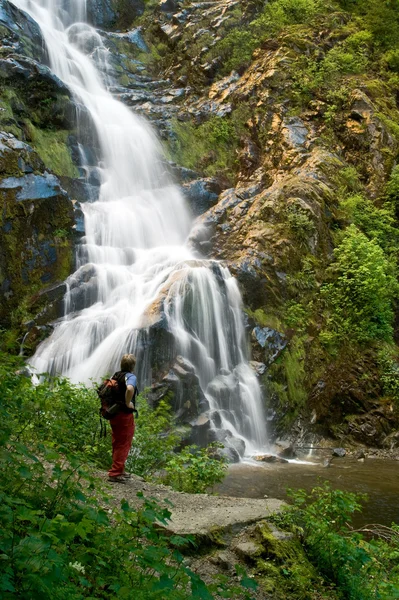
36,247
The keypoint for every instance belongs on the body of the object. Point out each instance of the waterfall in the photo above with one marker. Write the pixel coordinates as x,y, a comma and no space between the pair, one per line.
133,262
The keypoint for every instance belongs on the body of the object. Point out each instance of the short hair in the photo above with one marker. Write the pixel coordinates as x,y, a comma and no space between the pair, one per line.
128,362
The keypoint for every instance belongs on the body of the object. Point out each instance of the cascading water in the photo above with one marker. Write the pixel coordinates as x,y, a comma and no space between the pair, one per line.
133,261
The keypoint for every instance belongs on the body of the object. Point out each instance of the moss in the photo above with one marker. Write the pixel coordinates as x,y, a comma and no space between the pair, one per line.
52,148
210,147
283,568
264,318
286,381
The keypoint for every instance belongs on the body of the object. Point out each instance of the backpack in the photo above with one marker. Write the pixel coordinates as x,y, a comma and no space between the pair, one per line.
112,396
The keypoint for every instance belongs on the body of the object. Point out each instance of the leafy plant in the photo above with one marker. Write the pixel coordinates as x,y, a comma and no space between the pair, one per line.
195,469
62,537
362,570
361,291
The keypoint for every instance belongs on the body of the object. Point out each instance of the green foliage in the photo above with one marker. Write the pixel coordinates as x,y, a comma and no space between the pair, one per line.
153,455
56,412
301,223
389,372
362,570
61,537
195,469
377,223
296,315
235,50
154,440
361,291
392,190
391,59
64,415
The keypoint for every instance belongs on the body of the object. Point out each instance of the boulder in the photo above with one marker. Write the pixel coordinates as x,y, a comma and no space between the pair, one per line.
272,341
340,452
228,454
289,452
169,6
202,194
248,550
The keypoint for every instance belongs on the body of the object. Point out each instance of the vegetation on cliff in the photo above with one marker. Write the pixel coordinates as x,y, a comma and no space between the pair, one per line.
294,105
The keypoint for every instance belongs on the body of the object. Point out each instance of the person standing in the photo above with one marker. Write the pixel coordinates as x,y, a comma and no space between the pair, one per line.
122,424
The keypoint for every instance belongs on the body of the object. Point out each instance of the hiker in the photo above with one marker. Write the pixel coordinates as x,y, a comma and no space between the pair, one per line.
122,424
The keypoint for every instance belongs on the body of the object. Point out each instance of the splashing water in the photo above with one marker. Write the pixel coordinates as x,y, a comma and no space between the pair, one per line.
133,266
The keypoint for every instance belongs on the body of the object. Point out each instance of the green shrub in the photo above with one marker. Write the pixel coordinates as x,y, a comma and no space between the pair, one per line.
362,570
392,190
61,536
301,224
64,416
391,59
389,373
361,291
377,223
194,469
296,315
154,439
235,50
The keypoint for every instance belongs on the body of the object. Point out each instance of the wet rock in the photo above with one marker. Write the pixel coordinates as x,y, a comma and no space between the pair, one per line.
202,194
25,36
200,428
271,341
35,208
258,367
295,132
340,452
101,13
217,435
29,69
289,452
157,392
169,6
237,444
33,187
135,37
360,454
269,458
229,454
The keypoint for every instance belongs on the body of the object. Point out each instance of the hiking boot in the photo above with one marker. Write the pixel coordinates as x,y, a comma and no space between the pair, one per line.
117,479
126,475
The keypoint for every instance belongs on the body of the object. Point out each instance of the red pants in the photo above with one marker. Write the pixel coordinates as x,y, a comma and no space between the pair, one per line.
122,435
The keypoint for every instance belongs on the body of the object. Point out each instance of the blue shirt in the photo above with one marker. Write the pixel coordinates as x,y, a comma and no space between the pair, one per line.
131,379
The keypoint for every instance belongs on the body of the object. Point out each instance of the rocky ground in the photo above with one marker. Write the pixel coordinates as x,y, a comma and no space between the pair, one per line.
198,515
230,534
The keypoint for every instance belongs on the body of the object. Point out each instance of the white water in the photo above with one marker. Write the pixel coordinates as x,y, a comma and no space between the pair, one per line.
133,260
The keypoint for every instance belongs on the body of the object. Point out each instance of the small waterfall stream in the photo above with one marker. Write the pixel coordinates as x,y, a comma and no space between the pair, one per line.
133,262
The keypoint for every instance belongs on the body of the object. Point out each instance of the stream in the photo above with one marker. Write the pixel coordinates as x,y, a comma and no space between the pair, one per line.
378,478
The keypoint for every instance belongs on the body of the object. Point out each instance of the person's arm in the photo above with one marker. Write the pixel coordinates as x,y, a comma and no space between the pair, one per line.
129,396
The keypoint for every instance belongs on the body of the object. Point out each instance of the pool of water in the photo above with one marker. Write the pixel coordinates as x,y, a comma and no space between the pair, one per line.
375,477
